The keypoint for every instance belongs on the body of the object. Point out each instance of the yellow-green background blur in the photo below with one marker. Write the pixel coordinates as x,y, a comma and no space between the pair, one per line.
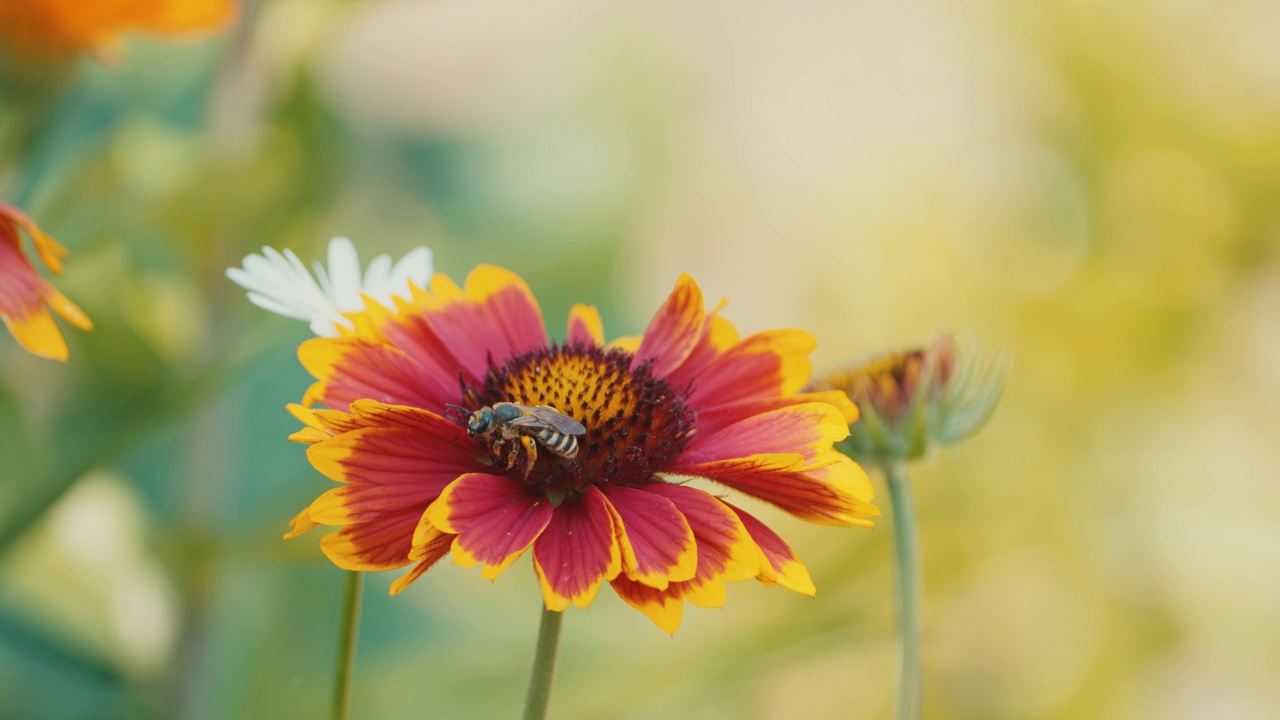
1094,187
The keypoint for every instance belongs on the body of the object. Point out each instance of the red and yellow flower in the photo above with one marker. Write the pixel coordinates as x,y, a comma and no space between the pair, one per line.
25,297
688,399
49,29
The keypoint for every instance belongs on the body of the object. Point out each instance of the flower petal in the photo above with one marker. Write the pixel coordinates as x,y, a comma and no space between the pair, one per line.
718,336
657,543
578,550
674,330
403,450
725,548
664,607
430,545
349,369
626,343
38,334
495,317
768,364
66,309
713,420
175,17
382,543
394,462
807,429
495,518
782,566
321,424
25,297
585,326
328,509
833,491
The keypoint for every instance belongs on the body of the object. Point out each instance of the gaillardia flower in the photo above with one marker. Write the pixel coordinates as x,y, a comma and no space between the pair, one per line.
688,399
51,29
913,399
25,297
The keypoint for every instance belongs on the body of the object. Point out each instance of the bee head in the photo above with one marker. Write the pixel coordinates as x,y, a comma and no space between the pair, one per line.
480,422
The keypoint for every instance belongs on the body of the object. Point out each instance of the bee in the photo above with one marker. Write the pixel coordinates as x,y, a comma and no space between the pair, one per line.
526,426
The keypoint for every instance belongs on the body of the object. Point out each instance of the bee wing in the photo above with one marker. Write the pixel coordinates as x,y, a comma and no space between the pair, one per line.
545,416
531,417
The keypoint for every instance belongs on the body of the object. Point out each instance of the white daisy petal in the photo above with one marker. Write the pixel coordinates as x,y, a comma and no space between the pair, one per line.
278,307
322,276
344,274
377,279
414,267
279,282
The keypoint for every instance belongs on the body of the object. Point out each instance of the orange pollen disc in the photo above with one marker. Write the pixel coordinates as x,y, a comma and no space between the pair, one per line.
636,424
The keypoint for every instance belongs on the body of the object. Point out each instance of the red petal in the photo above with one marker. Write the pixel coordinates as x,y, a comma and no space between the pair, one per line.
351,368
725,548
422,567
25,297
657,543
664,607
836,492
394,462
577,551
675,329
395,455
713,420
782,566
808,430
585,327
408,329
495,317
430,545
381,543
495,518
767,364
718,336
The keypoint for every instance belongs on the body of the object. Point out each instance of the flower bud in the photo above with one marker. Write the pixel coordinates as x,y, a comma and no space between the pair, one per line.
912,400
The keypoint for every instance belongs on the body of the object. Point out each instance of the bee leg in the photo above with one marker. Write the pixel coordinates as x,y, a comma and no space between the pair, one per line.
530,453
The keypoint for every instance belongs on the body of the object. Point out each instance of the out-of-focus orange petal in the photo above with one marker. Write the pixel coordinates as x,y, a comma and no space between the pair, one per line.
25,297
48,29
38,334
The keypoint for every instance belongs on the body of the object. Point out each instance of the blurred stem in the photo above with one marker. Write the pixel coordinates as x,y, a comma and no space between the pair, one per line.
544,665
907,549
348,628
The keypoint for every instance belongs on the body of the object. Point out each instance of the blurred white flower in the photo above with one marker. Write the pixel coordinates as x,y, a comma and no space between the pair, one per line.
281,283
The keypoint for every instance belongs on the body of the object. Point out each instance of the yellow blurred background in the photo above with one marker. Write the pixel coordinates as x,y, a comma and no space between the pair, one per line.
1094,187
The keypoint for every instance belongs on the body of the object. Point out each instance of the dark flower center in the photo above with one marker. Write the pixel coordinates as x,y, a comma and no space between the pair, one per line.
636,424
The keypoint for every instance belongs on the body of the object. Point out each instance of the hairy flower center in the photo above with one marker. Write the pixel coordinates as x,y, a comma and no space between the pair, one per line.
635,423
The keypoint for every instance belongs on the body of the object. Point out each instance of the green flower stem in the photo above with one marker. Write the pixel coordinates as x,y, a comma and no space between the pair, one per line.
907,549
544,665
349,627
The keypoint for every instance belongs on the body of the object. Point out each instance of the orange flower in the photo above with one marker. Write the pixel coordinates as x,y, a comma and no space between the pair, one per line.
25,297
47,29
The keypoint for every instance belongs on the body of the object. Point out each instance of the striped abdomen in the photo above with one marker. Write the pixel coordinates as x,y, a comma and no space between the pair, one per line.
566,446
